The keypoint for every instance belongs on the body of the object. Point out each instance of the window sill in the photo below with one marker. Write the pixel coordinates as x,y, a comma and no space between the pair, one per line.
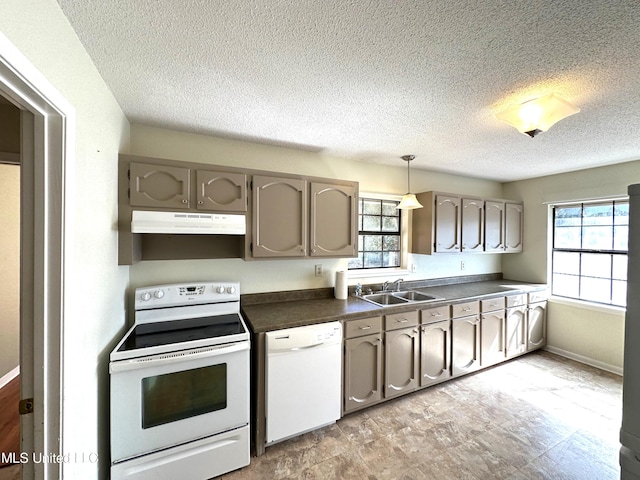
377,272
597,307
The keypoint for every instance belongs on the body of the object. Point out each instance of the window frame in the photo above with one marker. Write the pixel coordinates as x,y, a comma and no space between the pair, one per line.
610,252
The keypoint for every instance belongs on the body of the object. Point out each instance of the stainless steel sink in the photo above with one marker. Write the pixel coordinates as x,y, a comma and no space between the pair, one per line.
385,299
414,296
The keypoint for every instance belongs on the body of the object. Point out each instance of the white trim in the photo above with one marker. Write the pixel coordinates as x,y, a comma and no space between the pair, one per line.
596,307
586,360
7,377
608,198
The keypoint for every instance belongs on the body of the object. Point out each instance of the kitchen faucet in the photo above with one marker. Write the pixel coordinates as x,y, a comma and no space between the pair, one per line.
396,282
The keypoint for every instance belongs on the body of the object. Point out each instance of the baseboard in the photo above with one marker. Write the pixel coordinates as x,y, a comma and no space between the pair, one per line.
9,376
586,360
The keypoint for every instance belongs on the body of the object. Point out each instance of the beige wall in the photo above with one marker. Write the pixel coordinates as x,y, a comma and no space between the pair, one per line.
94,284
264,276
9,268
593,335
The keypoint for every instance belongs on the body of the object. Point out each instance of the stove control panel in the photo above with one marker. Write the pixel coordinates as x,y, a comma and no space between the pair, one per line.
159,296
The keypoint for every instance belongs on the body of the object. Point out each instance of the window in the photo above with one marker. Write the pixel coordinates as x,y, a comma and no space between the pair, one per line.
379,234
589,255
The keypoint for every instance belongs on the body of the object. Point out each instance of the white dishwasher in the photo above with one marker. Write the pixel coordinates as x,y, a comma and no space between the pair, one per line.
303,379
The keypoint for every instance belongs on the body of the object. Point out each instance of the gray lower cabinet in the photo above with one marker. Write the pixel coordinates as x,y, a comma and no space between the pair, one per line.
401,353
536,325
516,331
465,338
435,352
492,332
363,367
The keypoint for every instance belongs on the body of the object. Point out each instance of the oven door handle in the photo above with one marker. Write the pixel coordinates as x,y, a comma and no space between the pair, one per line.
176,357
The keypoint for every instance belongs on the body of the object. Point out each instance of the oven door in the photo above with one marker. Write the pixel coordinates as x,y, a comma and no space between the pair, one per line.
169,399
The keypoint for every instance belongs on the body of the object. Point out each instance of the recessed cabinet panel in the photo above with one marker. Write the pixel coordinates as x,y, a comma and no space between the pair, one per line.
333,220
537,325
472,225
435,352
465,340
513,227
362,371
494,226
447,224
221,191
516,331
279,217
401,361
492,347
158,186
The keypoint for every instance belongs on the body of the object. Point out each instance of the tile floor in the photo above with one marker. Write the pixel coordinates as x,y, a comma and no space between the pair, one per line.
539,416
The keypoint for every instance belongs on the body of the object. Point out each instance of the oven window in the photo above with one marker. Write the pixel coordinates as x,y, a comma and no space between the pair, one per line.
176,396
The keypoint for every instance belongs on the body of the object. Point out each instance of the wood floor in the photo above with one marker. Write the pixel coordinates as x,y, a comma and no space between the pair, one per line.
538,417
9,418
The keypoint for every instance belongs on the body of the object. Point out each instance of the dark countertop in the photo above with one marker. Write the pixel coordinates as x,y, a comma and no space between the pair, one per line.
294,309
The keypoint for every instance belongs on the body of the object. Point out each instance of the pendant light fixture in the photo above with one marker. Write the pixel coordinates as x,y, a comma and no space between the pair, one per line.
537,115
409,200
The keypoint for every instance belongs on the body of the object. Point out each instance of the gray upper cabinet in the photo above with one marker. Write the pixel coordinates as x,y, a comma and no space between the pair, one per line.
333,220
494,226
158,186
514,214
221,191
503,226
279,223
447,226
472,225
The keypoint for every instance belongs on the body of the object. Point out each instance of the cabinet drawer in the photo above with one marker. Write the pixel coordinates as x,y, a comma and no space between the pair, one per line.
362,326
435,314
465,309
400,320
516,300
538,296
492,304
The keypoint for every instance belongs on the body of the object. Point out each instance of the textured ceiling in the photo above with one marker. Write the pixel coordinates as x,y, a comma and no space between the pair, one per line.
373,80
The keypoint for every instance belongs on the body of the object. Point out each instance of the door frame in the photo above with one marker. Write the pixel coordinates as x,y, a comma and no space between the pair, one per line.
47,142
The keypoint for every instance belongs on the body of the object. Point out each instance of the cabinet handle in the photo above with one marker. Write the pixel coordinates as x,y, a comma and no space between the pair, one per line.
365,327
404,320
184,201
200,202
437,314
313,250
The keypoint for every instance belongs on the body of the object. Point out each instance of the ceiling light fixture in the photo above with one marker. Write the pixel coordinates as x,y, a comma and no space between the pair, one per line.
537,115
409,200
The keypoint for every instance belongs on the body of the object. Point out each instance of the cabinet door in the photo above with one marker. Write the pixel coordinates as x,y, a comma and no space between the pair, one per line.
435,352
513,213
401,361
493,226
447,224
158,186
465,349
537,325
362,371
472,225
221,191
279,223
334,220
492,347
516,331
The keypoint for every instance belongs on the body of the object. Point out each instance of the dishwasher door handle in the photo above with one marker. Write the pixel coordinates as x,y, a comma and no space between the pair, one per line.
307,347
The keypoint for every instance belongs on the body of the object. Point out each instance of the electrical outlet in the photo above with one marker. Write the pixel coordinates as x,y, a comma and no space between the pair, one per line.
461,265
318,270
413,268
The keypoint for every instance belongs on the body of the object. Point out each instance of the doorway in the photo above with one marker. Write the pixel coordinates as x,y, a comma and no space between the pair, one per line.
46,125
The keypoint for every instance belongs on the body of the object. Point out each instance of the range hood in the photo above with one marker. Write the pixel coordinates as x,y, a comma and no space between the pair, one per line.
143,221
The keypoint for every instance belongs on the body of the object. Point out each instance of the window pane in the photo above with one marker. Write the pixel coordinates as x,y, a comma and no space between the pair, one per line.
595,289
567,237
370,223
356,262
619,293
619,271
389,209
390,224
621,212
372,243
372,259
566,262
568,216
371,207
621,238
391,259
597,238
598,214
596,265
391,242
566,285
